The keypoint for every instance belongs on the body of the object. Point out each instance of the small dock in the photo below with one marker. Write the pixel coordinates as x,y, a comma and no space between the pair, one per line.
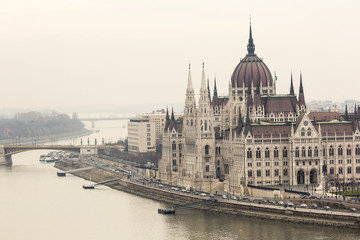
63,174
100,183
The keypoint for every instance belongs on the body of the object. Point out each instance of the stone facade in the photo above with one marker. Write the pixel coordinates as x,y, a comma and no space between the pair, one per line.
254,136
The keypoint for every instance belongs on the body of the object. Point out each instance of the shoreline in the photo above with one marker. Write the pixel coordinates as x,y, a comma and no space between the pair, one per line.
222,206
45,139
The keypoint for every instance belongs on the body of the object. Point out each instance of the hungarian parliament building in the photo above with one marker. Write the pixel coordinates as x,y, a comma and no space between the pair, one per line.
254,136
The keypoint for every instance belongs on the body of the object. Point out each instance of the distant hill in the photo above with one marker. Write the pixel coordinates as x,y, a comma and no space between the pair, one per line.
35,124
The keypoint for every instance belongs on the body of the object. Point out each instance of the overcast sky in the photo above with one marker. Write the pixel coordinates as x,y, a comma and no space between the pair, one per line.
101,52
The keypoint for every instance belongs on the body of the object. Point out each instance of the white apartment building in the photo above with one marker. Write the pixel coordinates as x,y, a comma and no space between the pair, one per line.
141,135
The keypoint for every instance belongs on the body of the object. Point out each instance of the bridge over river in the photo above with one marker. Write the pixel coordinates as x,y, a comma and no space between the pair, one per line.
6,151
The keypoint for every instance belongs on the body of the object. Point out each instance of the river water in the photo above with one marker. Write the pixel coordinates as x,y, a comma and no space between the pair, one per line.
36,204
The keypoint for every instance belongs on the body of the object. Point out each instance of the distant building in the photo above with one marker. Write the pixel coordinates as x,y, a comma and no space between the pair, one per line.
153,125
141,135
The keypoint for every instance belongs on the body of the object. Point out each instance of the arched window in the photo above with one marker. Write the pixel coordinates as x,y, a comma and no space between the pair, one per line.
250,173
206,149
187,122
258,173
316,152
174,146
201,124
340,170
191,122
218,162
276,152
332,170
331,151
267,153
340,150
357,150
309,152
348,150
249,153
303,152
309,132
303,132
258,153
205,125
285,153
297,154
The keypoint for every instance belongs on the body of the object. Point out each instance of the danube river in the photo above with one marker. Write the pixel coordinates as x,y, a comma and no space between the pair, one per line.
36,204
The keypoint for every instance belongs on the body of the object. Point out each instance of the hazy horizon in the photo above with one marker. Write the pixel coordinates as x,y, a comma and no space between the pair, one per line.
98,53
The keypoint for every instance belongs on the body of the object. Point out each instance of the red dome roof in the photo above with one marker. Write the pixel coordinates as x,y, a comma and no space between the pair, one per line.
251,69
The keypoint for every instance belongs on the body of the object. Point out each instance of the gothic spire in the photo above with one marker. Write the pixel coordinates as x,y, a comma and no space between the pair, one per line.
215,90
172,114
203,81
167,121
208,87
251,45
292,86
189,85
301,85
301,93
346,113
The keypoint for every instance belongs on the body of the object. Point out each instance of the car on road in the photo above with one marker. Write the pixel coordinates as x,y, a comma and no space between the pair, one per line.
233,198
314,205
183,190
280,203
160,186
353,209
303,205
272,202
289,204
203,194
327,208
196,193
250,199
224,197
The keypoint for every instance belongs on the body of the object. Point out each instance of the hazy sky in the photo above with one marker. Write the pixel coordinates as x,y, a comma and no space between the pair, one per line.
94,52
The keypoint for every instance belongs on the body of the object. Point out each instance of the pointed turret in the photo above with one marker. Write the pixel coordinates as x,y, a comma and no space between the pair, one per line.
292,92
301,93
189,84
203,80
346,113
172,114
247,123
251,45
167,121
208,87
215,89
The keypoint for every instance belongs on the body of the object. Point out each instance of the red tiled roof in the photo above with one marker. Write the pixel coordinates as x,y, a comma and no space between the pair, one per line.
324,116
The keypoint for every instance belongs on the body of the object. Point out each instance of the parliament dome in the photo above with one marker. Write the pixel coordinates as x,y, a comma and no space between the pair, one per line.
251,69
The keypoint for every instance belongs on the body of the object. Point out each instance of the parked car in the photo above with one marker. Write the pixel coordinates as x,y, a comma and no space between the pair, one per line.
250,199
203,194
233,198
327,208
272,202
353,209
280,202
303,205
160,186
314,205
289,204
224,196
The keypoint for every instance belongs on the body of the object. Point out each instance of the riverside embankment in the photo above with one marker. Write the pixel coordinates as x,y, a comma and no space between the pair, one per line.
303,216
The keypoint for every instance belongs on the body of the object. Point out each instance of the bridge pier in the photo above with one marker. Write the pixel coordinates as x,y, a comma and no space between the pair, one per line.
4,160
